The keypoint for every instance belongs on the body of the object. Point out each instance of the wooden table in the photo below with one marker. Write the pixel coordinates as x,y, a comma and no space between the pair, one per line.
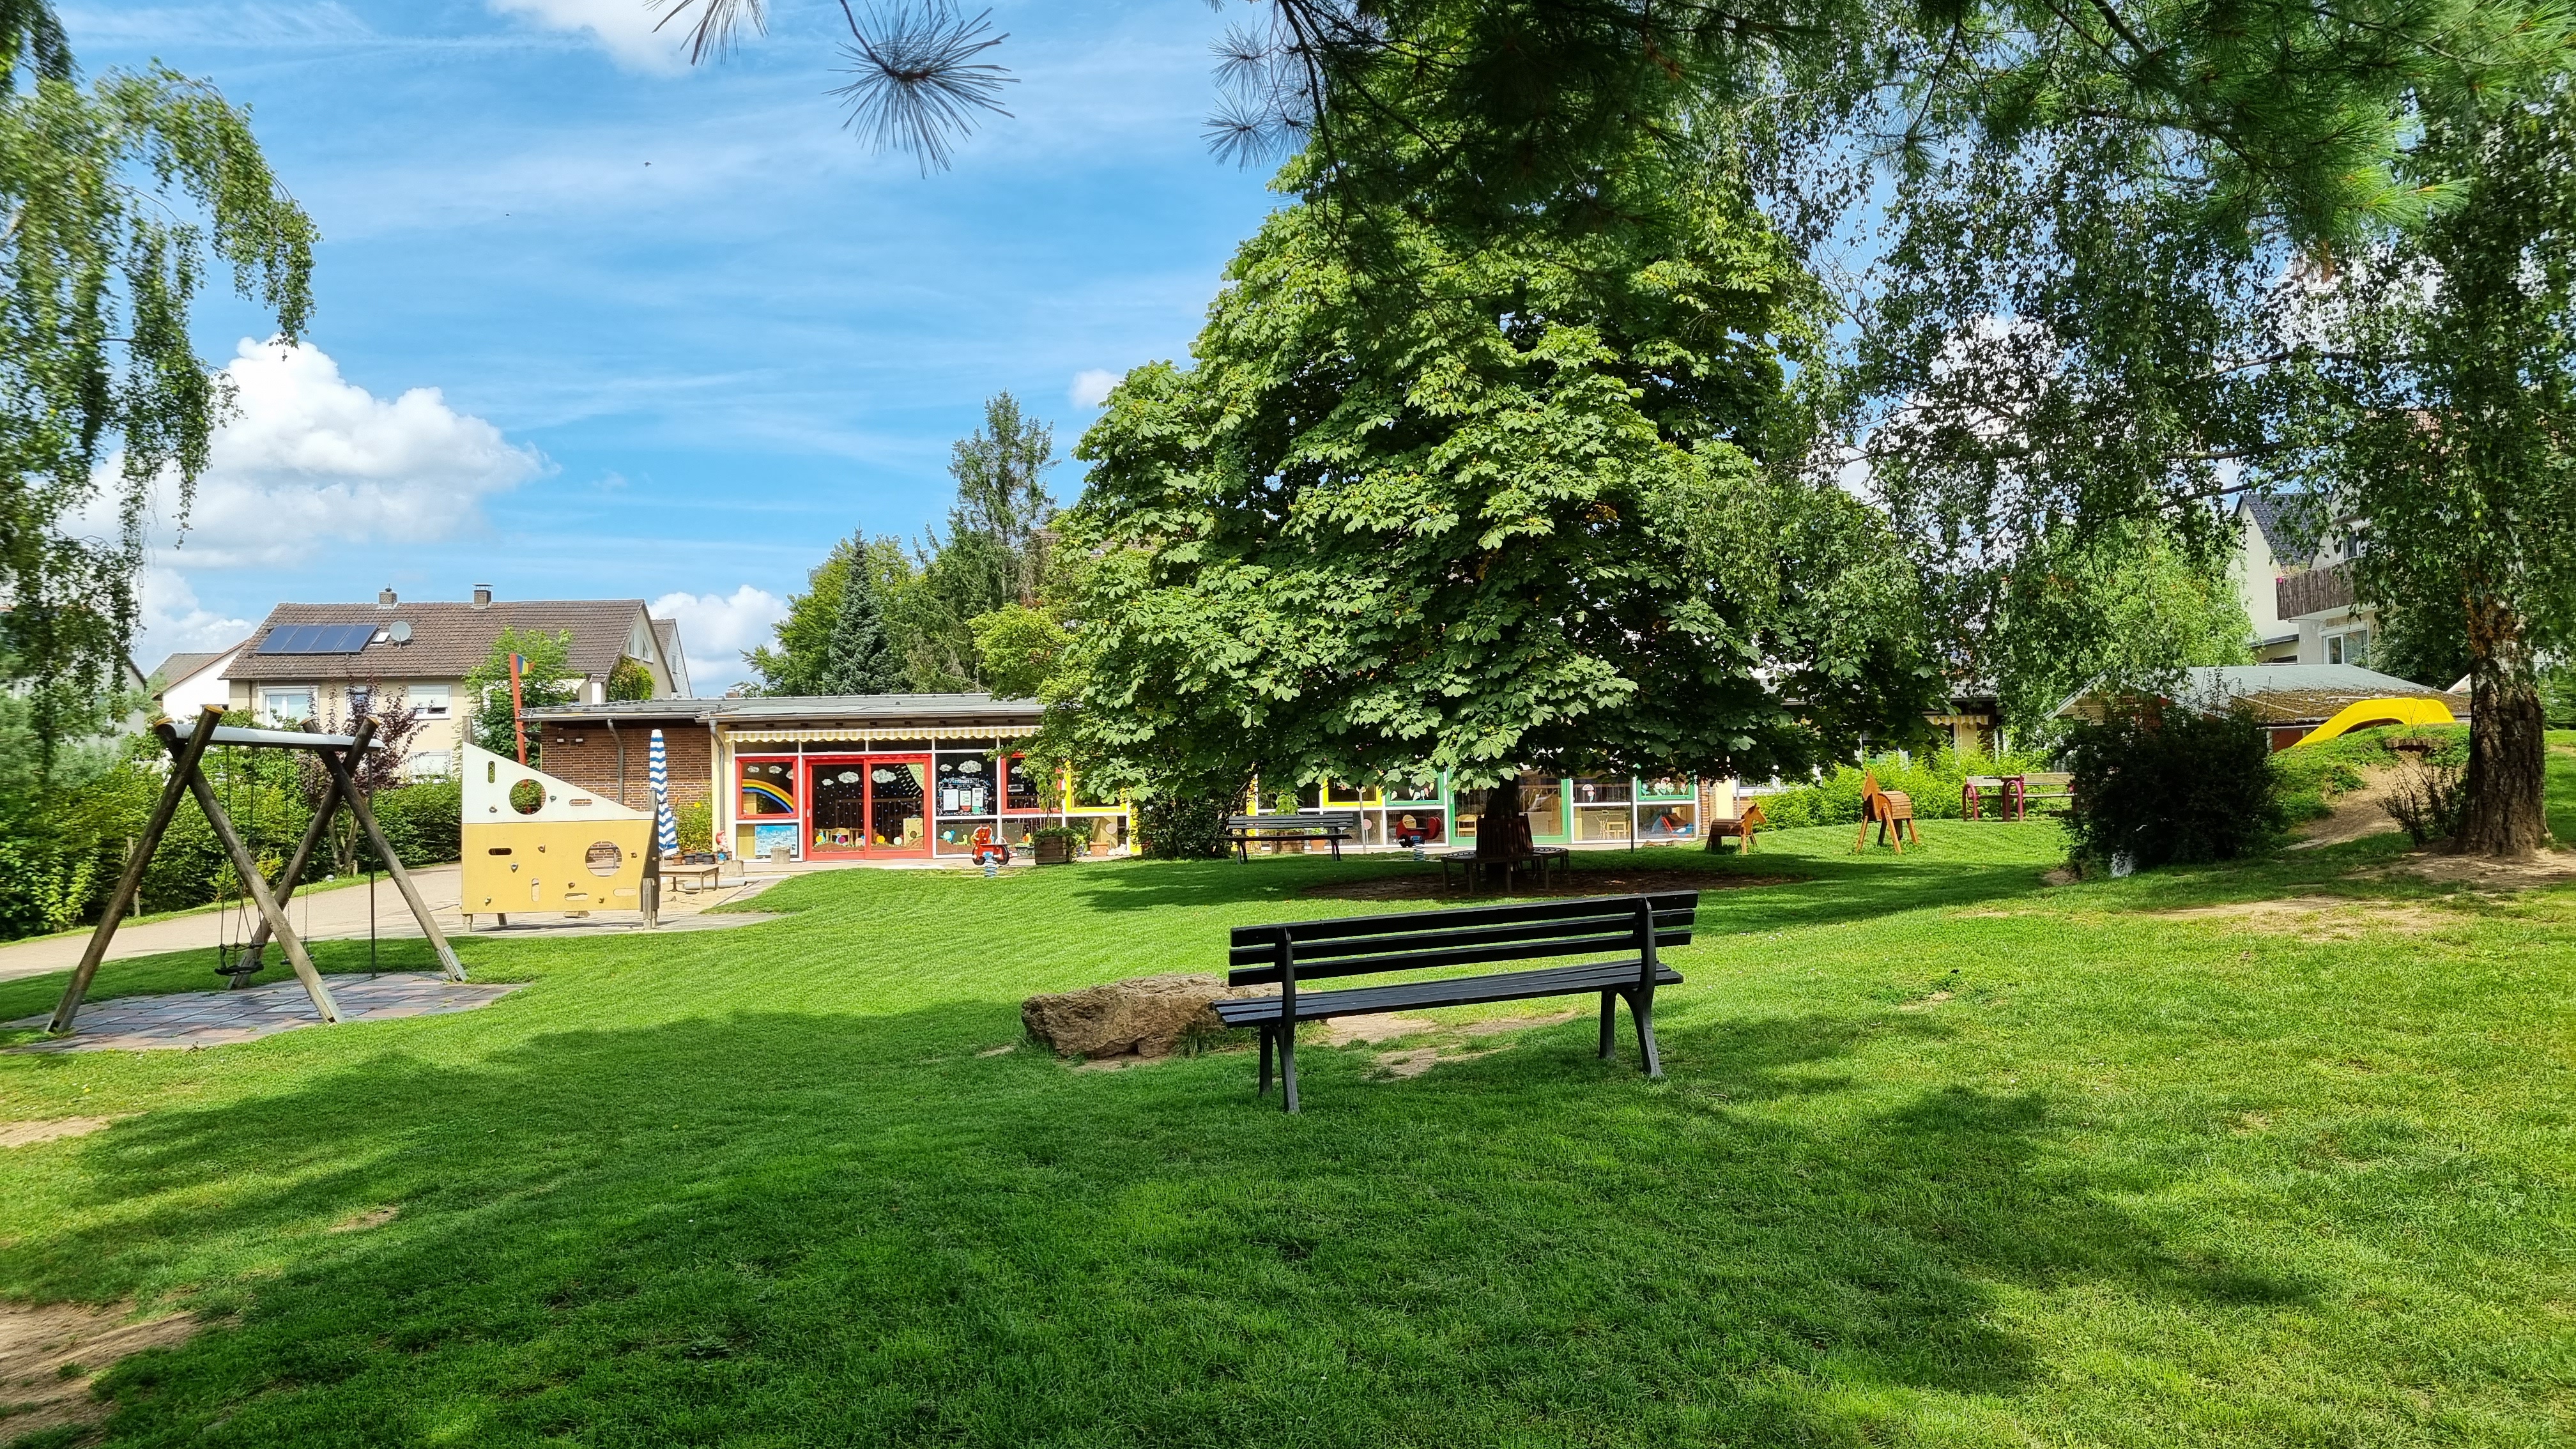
1542,858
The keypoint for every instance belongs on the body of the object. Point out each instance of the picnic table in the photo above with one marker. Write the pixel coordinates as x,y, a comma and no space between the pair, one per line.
1541,858
2013,794
1335,826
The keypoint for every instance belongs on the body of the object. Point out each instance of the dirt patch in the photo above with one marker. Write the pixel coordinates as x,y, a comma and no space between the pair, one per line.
2061,876
1354,1030
1925,1003
1501,1024
2356,813
372,1218
2325,918
28,1134
1577,883
2478,872
50,1355
1422,1059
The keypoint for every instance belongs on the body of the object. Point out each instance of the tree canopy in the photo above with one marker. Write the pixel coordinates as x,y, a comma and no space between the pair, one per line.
119,195
1518,514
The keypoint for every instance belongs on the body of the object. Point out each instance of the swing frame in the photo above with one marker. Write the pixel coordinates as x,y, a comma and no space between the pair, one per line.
187,777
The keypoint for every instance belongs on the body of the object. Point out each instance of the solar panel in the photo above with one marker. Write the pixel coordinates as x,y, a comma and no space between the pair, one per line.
317,639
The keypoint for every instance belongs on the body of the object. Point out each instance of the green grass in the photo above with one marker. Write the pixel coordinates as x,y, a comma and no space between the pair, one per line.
2138,1180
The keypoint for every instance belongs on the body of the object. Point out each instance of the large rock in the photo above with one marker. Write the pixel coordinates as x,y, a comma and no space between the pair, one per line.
1150,1016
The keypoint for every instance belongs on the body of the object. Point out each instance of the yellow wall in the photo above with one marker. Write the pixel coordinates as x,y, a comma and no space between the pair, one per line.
541,865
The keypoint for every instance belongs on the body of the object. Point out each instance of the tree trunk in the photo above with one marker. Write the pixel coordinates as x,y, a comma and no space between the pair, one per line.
1501,833
2508,755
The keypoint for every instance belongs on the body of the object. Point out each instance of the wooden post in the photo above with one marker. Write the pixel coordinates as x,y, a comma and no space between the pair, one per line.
452,968
252,880
120,900
303,857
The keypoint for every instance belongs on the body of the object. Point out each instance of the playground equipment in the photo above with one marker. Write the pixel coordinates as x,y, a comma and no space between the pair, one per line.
1891,810
534,842
1746,817
187,777
2362,714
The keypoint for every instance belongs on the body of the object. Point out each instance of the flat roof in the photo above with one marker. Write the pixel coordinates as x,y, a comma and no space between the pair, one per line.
810,710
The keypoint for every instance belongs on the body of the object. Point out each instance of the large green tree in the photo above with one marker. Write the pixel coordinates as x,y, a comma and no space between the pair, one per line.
1532,506
2450,434
546,678
118,194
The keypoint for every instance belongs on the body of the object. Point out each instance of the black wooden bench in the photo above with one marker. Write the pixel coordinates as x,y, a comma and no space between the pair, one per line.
1333,825
1627,929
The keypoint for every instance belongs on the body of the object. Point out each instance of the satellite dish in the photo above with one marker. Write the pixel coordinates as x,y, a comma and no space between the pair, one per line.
399,631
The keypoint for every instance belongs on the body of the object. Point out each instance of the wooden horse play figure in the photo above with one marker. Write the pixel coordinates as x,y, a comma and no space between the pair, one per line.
1891,810
1747,817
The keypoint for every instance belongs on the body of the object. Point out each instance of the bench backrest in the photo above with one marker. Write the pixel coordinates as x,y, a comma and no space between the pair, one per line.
1425,940
1317,820
2057,780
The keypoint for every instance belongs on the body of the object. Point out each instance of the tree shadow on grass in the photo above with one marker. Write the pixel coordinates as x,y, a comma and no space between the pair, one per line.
837,1229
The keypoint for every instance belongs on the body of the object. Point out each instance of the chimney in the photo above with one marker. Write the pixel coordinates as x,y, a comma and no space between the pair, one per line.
385,598
482,596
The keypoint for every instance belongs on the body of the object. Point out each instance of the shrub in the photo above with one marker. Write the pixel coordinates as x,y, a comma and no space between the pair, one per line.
421,822
2165,786
1935,781
697,821
2427,798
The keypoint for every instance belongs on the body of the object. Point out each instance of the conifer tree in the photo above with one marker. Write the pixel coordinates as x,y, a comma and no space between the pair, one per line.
860,659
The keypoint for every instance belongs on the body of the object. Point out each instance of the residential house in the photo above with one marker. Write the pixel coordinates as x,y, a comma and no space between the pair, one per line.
335,660
2295,577
2288,700
188,682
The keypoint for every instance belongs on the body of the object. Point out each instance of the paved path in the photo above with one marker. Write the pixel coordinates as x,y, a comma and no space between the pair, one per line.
341,915
187,1019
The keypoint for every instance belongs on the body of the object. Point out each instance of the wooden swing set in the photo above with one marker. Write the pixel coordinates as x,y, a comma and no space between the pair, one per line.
187,777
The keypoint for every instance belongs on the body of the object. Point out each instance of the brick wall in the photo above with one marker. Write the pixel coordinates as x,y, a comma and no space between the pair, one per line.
585,753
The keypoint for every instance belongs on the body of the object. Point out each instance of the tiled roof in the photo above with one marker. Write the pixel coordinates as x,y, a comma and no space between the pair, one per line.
180,666
447,640
2293,525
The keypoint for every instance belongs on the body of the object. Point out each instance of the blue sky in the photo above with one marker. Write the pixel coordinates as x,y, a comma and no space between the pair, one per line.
679,330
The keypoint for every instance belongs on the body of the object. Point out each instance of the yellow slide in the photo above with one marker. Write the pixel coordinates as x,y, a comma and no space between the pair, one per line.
2371,712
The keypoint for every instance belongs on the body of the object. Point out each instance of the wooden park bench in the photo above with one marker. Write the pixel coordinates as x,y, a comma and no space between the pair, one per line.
1892,811
1627,929
2057,786
1332,825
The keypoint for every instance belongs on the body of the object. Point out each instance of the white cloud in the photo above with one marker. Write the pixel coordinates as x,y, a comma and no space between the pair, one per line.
1091,386
312,460
715,629
623,27
173,620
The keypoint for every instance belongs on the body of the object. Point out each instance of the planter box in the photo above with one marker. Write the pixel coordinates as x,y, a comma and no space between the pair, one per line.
1055,852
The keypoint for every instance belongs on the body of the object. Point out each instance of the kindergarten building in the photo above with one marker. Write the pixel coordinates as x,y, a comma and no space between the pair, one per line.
914,777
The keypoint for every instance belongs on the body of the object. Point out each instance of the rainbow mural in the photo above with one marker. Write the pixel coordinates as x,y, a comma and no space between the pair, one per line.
754,791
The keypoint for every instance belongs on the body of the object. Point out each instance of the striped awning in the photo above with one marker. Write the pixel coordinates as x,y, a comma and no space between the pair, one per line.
880,734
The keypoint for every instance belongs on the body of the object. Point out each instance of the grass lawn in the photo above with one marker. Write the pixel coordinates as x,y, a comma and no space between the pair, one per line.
1943,1157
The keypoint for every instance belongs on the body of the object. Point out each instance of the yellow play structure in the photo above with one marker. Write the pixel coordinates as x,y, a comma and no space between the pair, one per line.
2369,712
537,843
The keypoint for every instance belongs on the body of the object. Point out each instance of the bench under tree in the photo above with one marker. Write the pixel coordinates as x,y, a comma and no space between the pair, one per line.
1629,930
1336,826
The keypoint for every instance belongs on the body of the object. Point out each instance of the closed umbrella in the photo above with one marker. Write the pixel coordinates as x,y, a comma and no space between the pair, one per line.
658,771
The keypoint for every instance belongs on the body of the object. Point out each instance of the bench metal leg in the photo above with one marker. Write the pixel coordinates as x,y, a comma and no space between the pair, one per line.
1641,1008
1609,1024
1288,1065
1265,1061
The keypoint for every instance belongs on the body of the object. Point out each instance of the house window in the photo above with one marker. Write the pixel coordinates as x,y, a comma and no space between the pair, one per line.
430,699
360,698
292,705
429,765
2349,647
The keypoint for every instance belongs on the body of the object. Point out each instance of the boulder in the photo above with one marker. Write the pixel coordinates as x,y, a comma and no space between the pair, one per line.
1149,1016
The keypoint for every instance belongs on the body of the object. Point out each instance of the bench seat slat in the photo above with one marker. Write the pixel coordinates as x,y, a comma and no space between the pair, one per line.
1667,924
1432,958
1620,907
1579,980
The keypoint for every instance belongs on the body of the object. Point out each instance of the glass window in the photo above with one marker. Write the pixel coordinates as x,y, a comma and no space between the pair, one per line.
1085,797
768,787
432,700
2352,647
1337,794
1599,823
1420,825
1666,787
963,785
1667,822
1601,790
360,698
1401,790
292,705
1026,791
429,765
